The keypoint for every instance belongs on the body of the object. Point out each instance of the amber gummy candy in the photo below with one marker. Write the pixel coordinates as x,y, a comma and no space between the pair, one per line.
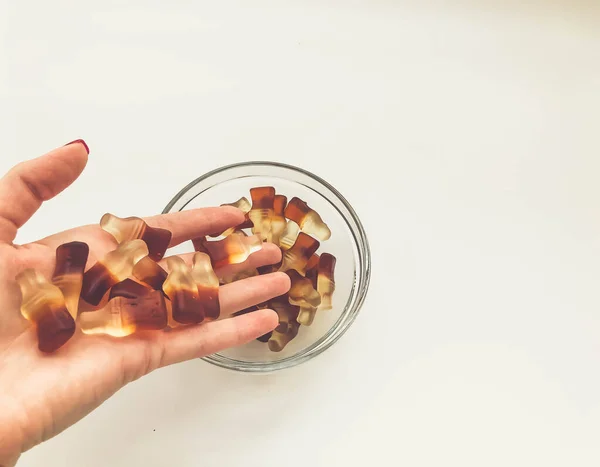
132,307
303,294
233,249
182,290
278,221
71,259
150,273
298,255
44,305
326,280
288,325
263,199
289,235
239,275
132,228
242,204
306,316
207,283
308,219
116,266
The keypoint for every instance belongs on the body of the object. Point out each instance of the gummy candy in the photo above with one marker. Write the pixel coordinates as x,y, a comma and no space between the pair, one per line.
243,205
149,272
298,255
132,307
302,292
306,315
131,228
278,222
289,235
308,219
208,285
182,290
71,259
44,304
116,266
233,249
312,269
326,280
263,199
288,325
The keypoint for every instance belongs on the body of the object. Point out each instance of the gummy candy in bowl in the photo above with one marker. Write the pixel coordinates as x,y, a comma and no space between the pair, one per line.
348,244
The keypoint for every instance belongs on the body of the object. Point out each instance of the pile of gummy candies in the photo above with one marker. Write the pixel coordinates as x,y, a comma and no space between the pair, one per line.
127,291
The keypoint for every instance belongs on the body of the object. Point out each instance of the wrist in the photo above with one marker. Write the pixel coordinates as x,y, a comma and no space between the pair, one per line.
9,462
9,452
8,458
10,446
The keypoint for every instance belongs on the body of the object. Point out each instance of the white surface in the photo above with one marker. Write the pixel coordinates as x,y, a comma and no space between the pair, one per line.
477,127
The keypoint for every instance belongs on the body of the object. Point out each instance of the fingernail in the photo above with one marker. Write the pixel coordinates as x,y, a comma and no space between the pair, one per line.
80,141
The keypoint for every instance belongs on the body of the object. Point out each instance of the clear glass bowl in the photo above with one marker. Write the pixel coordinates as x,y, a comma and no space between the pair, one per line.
348,243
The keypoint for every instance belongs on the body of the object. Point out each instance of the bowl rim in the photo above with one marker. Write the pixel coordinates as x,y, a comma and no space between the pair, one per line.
360,237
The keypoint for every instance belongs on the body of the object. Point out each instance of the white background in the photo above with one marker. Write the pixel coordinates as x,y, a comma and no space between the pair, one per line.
466,136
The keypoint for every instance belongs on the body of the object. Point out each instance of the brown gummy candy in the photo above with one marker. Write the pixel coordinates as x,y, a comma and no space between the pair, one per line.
132,307
182,290
308,219
71,259
208,285
312,269
298,255
288,325
116,266
301,292
131,228
149,272
278,221
265,337
200,244
44,305
128,289
326,280
233,249
263,199
268,268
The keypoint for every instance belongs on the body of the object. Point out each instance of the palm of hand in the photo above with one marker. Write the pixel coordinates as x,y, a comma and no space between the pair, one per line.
41,395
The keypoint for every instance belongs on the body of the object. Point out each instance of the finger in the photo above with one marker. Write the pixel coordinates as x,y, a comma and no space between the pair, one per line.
268,254
185,225
252,291
103,242
191,342
26,186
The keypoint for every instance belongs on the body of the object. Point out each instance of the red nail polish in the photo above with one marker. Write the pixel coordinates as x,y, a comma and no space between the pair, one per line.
80,141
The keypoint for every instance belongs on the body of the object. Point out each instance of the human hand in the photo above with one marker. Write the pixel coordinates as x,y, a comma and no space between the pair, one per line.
41,394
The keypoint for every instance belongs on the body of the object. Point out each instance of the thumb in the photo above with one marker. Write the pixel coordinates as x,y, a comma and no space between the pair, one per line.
27,185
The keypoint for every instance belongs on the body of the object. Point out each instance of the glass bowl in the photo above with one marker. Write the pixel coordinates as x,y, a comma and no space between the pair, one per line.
348,243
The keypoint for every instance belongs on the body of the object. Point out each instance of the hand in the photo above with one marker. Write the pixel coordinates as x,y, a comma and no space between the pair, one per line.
41,395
